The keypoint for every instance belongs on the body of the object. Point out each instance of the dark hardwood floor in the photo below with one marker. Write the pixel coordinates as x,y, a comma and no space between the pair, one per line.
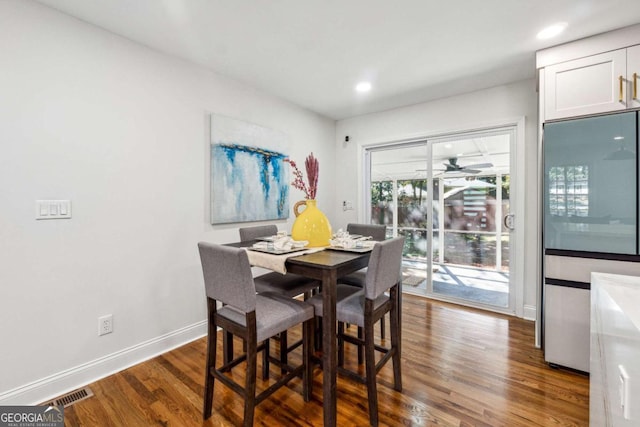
461,367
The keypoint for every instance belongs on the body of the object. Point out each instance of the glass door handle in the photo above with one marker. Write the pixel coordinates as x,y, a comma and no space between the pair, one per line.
508,222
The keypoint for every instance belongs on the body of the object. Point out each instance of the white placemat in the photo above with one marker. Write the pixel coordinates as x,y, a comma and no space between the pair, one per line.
275,262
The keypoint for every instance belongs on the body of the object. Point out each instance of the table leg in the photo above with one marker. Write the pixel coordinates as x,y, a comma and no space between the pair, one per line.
329,347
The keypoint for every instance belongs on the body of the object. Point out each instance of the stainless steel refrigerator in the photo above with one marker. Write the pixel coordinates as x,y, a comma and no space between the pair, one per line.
590,209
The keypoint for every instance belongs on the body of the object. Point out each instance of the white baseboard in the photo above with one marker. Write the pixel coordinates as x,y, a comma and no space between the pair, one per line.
530,312
62,382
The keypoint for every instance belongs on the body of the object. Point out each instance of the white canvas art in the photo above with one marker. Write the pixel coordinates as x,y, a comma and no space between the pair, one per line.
249,177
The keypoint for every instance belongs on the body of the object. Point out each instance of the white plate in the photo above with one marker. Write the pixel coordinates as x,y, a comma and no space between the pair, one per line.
270,238
357,250
277,251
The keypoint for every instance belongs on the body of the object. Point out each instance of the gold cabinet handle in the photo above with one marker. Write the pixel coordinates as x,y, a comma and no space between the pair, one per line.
621,92
635,85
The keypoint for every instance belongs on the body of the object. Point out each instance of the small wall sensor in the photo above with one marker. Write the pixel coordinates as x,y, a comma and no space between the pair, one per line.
346,138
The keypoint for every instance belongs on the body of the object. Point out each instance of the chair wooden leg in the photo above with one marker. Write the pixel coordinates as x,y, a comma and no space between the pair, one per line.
307,373
395,341
212,342
227,346
360,348
340,344
265,360
370,368
284,351
382,328
250,381
318,334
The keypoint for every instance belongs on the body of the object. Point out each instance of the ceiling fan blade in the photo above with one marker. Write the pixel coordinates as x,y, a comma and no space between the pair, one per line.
478,166
433,169
462,171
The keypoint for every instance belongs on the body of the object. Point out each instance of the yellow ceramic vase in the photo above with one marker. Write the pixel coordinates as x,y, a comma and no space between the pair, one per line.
311,224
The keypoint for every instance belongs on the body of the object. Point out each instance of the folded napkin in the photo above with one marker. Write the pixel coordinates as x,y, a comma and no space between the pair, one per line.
282,243
343,239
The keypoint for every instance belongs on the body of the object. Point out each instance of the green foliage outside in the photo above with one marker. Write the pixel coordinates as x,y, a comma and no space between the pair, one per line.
412,215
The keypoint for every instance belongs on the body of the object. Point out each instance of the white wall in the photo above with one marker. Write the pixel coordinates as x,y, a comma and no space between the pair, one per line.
468,111
121,131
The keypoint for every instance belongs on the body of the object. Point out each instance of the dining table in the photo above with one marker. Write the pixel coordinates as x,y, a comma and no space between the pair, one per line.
327,266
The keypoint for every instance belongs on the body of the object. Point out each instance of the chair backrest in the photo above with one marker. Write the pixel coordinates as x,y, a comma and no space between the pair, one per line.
376,231
384,267
227,276
252,233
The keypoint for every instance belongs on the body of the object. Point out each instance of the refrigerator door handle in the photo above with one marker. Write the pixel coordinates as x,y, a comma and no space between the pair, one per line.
508,221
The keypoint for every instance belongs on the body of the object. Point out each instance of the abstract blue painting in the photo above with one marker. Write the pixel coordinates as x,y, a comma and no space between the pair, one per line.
249,178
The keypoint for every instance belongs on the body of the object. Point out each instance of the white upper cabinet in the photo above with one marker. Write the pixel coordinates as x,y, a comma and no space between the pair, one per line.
594,75
633,76
591,85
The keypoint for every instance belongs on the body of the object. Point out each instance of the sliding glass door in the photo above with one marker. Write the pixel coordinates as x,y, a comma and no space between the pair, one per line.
399,196
451,198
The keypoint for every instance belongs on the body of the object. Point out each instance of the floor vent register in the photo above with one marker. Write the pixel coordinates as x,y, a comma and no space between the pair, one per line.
71,398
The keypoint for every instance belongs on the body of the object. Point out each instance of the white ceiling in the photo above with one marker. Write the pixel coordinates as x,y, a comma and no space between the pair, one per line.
313,52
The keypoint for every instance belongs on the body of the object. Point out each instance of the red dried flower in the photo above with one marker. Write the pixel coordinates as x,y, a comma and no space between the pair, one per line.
313,168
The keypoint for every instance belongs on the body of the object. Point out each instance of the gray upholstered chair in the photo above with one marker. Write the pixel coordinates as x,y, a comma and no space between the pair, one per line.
366,306
252,233
289,285
253,317
378,233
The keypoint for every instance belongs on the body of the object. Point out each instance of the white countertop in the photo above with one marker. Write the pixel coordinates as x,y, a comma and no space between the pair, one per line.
615,351
623,290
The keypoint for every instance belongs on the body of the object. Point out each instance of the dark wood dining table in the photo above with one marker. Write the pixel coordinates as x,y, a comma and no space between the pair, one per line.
327,266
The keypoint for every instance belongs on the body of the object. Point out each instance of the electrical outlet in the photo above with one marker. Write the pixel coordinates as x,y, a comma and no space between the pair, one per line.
105,324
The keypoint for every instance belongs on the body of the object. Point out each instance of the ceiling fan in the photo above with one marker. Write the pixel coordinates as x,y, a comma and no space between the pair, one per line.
453,167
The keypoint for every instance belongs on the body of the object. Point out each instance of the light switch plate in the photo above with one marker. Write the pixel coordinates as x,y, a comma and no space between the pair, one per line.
53,209
624,391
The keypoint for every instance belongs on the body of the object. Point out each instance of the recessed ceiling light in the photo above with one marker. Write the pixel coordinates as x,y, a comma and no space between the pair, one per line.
552,31
618,138
363,87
